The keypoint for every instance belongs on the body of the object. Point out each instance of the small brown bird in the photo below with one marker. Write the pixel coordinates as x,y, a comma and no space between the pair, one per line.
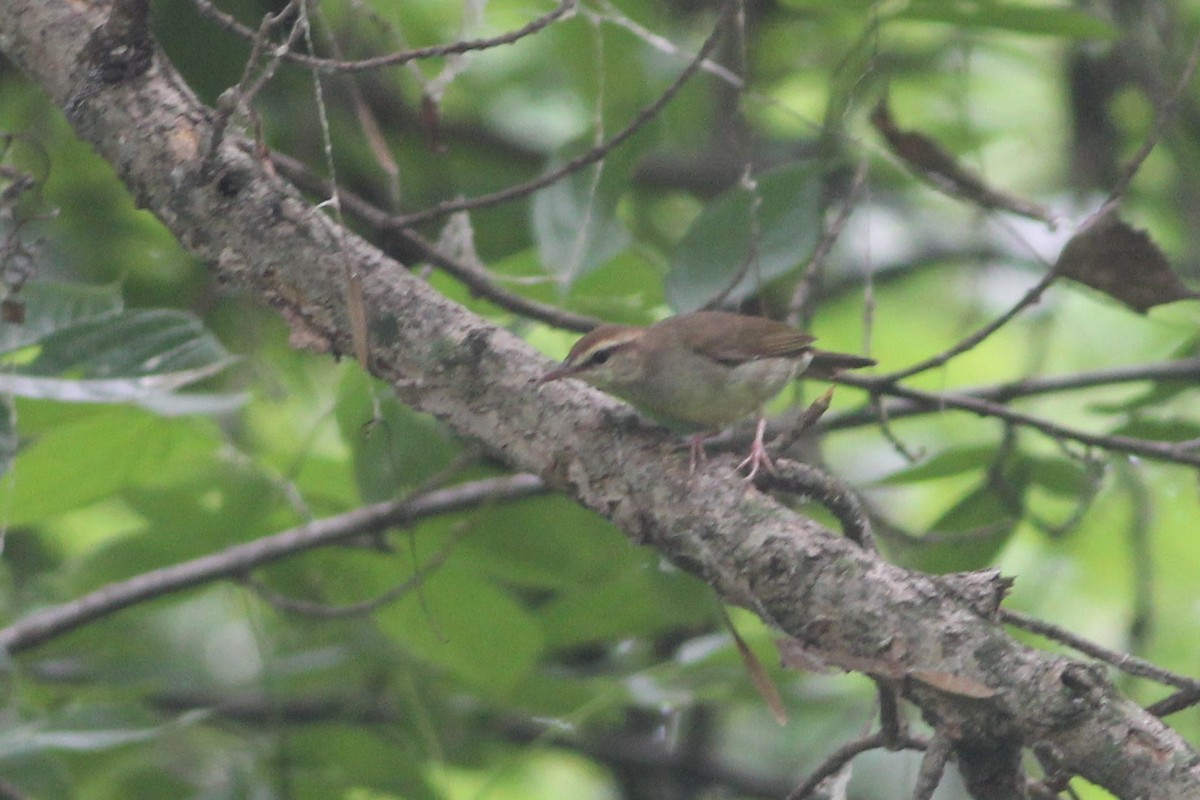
701,371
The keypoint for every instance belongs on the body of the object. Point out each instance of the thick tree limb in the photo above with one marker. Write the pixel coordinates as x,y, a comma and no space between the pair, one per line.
859,611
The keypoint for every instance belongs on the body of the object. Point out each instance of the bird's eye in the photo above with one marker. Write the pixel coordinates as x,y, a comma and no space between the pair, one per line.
601,357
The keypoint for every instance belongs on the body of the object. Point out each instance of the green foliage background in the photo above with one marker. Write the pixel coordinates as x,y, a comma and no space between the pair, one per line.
542,611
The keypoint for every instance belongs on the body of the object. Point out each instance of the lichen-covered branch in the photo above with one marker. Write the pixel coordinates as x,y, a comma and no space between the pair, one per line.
937,639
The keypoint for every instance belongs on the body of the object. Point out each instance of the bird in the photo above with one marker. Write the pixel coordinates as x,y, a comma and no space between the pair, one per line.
700,371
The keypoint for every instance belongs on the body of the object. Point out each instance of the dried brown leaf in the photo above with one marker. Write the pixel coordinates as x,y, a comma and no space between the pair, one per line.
939,166
1111,256
758,675
953,684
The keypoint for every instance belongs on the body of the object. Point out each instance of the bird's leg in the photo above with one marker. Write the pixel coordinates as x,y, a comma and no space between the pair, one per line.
758,458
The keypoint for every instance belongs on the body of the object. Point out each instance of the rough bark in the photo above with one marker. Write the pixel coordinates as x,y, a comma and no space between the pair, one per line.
933,637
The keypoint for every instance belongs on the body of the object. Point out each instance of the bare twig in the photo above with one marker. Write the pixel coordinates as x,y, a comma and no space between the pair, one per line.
1122,661
968,343
933,764
844,755
48,623
229,23
1160,451
1165,112
837,497
474,276
593,155
322,611
1186,369
1185,698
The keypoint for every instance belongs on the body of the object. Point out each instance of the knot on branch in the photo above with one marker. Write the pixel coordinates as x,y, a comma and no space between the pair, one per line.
119,51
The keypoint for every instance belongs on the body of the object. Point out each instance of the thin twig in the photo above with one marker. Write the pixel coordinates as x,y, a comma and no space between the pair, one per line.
48,623
806,480
474,276
322,611
1032,296
1122,661
1186,369
1172,704
593,155
846,753
799,309
229,23
1159,451
1161,121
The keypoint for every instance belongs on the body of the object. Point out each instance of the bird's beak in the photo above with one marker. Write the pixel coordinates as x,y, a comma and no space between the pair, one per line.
563,371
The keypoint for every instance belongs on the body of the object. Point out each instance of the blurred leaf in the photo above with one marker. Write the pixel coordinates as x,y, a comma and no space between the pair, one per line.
546,542
8,437
639,601
575,227
720,242
393,447
51,306
1017,17
953,461
33,738
460,621
77,345
966,537
96,455
1159,430
943,169
1065,477
325,754
574,219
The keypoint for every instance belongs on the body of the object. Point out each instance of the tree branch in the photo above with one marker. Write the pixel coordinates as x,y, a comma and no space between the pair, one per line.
258,233
236,561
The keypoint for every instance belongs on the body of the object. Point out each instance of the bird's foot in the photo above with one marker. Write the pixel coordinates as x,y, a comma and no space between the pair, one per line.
759,458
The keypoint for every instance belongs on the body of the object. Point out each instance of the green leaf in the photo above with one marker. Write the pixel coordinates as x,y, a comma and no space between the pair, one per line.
574,219
945,464
1018,17
94,456
129,344
77,345
639,601
546,542
720,242
1160,430
1065,477
968,535
50,307
462,622
393,447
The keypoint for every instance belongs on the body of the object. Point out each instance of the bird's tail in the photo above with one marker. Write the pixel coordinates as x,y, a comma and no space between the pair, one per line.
826,364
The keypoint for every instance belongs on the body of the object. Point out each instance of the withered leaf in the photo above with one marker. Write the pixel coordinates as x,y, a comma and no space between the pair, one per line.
759,678
953,684
1111,256
939,166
